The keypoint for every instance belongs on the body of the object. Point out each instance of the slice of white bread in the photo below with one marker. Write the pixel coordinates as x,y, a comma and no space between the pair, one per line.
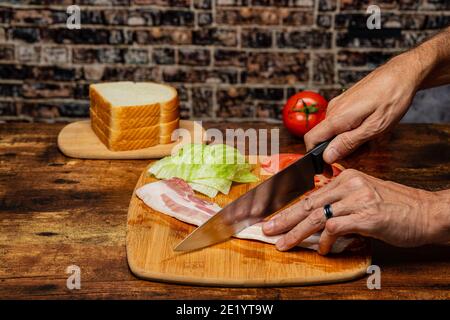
128,115
149,132
134,123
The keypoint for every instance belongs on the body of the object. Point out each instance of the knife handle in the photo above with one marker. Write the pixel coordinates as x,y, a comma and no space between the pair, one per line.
317,156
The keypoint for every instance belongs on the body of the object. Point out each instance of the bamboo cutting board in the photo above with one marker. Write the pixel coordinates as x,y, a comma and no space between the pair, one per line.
78,140
151,237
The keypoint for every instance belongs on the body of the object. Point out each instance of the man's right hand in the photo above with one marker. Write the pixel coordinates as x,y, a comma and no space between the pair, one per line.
369,108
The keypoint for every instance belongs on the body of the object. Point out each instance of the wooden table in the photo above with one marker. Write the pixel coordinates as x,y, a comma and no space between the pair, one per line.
56,212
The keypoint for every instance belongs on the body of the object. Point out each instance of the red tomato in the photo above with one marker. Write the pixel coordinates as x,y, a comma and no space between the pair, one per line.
303,111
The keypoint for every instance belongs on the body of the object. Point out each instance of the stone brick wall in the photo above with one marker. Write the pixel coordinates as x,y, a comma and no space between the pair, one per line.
229,59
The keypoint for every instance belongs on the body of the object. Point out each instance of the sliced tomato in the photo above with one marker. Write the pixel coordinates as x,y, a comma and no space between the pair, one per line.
337,169
277,162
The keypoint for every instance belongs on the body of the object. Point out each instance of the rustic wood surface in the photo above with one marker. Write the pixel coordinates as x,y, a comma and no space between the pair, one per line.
57,211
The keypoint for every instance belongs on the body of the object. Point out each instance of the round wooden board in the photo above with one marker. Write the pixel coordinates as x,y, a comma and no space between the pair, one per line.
151,237
77,140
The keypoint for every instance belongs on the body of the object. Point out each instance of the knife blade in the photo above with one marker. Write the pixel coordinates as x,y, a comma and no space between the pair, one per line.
259,202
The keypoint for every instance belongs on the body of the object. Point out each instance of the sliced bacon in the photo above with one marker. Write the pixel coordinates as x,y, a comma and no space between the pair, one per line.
176,207
174,198
179,186
206,210
177,199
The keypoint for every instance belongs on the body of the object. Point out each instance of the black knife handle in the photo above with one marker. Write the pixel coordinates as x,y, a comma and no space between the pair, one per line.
317,156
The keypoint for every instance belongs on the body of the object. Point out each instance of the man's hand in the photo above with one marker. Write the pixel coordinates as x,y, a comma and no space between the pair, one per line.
377,102
367,109
365,205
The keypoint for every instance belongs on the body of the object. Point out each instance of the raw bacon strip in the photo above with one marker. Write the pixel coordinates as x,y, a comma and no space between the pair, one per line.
175,198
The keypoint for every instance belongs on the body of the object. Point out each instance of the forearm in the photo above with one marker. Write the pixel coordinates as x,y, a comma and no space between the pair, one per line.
431,61
439,217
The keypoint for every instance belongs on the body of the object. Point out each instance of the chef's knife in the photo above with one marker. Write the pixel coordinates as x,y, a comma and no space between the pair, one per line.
259,202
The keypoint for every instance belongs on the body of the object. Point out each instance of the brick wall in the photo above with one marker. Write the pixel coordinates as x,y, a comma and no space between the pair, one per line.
229,59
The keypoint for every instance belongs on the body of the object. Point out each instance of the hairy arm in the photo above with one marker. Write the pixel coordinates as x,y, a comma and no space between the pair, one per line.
433,56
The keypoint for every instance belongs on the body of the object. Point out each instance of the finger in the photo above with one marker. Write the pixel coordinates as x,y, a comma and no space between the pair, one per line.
321,132
287,219
293,215
329,193
335,228
335,123
345,143
313,223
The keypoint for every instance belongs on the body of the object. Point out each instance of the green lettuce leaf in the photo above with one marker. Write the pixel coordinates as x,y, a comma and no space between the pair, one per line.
210,168
245,177
223,185
209,191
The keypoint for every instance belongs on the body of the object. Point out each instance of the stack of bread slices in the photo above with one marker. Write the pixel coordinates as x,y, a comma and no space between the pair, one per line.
130,115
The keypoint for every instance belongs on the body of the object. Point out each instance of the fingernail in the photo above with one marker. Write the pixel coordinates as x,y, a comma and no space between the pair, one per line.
280,244
331,155
322,251
308,204
269,225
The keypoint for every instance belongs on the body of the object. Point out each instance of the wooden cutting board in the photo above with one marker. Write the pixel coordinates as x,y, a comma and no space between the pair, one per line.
77,140
151,237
